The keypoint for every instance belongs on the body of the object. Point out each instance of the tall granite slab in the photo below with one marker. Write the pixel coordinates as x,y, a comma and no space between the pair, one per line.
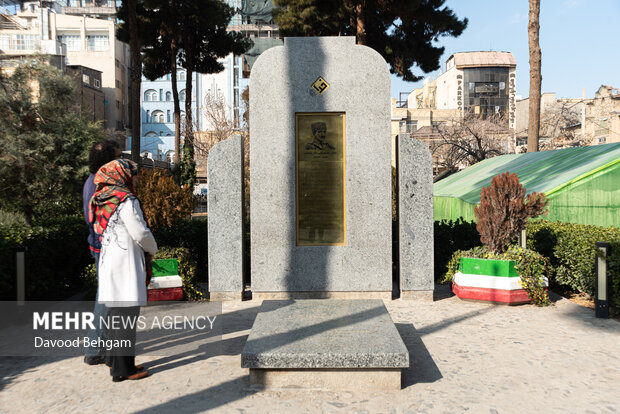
359,86
415,215
225,218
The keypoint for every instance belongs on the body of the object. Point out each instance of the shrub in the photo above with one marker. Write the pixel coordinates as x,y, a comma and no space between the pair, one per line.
503,211
163,201
572,251
187,269
529,265
56,257
451,236
90,281
10,218
189,234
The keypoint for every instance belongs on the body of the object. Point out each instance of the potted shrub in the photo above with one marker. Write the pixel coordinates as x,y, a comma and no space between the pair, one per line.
499,271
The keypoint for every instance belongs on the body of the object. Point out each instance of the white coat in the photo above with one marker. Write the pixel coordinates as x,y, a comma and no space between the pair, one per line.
122,271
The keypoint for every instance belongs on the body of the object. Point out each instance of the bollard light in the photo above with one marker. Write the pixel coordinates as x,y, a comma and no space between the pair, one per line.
20,266
601,298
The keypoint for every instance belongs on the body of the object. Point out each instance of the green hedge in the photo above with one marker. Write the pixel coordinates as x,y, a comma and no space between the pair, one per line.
571,249
451,236
190,234
56,257
187,269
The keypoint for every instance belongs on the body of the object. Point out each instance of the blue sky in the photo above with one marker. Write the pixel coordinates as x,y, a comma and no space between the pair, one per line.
579,39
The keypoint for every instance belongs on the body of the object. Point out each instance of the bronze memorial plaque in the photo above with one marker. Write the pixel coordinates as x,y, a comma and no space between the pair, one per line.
320,181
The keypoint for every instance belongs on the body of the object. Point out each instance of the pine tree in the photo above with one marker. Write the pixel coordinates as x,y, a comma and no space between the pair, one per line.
402,31
191,34
44,143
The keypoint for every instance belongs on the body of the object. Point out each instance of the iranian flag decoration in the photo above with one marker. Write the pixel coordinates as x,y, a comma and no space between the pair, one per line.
166,284
489,280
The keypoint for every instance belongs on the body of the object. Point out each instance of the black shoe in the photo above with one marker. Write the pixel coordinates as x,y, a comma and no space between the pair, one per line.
94,360
138,375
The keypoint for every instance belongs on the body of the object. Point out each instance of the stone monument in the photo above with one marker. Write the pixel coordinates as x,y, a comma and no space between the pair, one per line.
320,171
225,218
321,218
415,219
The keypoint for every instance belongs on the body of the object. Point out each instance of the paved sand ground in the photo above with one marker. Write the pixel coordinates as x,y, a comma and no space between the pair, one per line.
465,357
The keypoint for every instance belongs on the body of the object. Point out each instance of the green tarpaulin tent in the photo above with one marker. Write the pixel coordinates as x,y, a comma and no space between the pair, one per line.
581,184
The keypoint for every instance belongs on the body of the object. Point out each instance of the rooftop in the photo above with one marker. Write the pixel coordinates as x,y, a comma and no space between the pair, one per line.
476,59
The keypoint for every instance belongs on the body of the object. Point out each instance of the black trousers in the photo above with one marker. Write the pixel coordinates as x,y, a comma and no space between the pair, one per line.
122,359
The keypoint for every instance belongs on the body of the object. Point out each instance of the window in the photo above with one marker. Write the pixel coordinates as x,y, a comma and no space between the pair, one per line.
148,116
168,96
150,95
85,79
97,83
158,117
25,42
5,42
161,95
181,75
118,83
150,134
168,116
118,104
118,63
97,42
408,127
182,95
72,42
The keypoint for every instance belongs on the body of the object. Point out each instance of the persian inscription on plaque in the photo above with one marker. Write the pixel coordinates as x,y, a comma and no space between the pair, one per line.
320,180
320,85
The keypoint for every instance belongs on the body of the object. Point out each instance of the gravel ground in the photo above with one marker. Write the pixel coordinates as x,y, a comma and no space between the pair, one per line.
465,357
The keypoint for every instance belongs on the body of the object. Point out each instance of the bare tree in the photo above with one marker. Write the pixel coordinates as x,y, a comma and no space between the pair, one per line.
219,126
560,125
463,142
533,29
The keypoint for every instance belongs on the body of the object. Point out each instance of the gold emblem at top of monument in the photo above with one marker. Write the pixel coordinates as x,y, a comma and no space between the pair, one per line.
320,85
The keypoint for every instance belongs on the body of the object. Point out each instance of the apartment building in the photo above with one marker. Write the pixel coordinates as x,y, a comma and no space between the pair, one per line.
72,41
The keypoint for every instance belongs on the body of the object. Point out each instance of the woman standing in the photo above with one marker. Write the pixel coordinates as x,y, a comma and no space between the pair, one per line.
125,241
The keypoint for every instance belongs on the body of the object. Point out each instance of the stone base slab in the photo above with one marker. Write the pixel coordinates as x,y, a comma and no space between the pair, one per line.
332,379
418,295
321,295
225,296
324,334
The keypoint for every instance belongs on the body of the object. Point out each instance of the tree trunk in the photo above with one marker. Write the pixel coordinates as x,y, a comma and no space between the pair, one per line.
177,106
533,29
189,131
360,34
136,72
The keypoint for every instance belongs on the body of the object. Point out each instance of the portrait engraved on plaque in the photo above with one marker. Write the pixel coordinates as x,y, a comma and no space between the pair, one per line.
320,168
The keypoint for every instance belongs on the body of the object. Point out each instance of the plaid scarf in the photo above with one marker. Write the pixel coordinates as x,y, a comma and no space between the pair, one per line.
112,187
